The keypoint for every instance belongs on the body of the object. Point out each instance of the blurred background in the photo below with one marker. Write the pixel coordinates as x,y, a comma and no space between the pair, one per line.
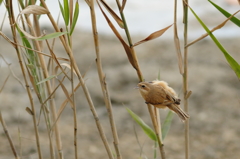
213,105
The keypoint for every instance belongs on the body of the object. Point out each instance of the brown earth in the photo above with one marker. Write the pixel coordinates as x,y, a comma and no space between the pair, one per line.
213,105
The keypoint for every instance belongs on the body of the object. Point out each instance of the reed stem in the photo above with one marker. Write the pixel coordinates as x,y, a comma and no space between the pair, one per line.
185,77
103,82
80,78
13,29
8,136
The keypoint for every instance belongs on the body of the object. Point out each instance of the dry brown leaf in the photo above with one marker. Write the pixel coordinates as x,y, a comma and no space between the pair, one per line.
126,47
114,15
214,29
31,9
153,36
179,55
88,3
68,66
34,9
24,32
176,40
29,111
123,5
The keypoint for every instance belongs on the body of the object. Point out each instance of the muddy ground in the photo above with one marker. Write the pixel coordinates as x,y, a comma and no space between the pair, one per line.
214,105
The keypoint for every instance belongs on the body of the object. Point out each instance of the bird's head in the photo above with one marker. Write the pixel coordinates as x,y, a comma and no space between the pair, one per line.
144,87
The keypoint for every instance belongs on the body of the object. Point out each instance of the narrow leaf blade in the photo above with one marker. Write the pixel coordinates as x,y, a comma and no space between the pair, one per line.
153,35
66,12
52,35
148,131
128,50
47,79
234,65
226,14
167,124
61,9
75,17
114,15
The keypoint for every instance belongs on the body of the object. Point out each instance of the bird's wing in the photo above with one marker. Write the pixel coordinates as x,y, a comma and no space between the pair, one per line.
170,98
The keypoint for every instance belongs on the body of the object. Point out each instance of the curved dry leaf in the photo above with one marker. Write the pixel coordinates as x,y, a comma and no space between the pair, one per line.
31,9
153,35
23,31
27,34
68,66
34,9
126,47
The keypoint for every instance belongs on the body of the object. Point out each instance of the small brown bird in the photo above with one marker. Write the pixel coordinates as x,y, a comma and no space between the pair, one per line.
160,95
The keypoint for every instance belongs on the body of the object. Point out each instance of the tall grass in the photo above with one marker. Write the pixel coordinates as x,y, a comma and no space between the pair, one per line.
47,73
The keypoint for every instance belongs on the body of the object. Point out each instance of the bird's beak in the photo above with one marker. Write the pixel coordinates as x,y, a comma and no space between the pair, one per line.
136,87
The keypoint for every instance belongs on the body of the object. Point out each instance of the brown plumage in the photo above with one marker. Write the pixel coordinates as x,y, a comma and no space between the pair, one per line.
160,95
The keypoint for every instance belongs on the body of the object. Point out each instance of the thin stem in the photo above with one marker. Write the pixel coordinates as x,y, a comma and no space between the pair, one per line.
154,116
185,77
102,81
8,136
80,78
156,128
72,85
13,29
139,73
74,111
49,91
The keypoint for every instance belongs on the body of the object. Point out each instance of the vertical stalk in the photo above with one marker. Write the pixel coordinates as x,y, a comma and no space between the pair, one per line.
102,81
154,115
72,86
13,29
139,73
49,91
84,87
157,130
185,77
8,136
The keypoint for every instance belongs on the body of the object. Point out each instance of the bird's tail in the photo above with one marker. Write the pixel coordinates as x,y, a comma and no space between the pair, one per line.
177,109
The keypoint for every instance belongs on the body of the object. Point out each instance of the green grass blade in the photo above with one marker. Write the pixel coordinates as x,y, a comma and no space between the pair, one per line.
226,14
234,65
75,17
30,54
167,124
148,131
46,79
62,10
53,35
66,12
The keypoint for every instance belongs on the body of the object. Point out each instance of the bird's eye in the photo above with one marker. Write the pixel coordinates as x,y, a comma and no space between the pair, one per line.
143,86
